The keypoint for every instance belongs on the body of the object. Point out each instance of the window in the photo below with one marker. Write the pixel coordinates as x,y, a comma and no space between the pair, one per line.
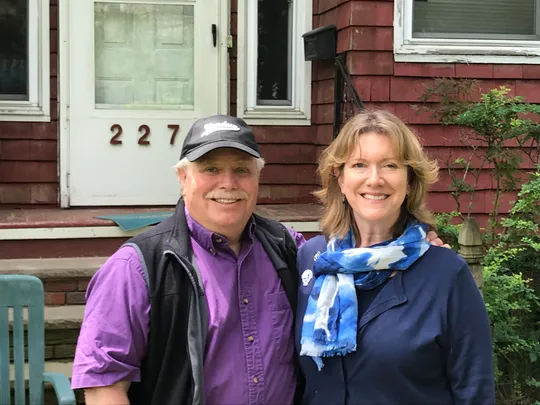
24,60
498,31
274,81
14,53
155,43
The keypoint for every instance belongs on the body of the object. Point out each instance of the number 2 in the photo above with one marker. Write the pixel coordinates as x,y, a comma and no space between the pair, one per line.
146,131
115,140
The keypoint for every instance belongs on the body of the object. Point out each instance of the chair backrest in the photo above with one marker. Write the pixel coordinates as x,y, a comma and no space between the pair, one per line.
18,292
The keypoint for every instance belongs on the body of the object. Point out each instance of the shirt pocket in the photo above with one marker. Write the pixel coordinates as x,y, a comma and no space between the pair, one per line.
282,317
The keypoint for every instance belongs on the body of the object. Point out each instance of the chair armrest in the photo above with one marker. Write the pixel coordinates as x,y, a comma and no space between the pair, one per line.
62,388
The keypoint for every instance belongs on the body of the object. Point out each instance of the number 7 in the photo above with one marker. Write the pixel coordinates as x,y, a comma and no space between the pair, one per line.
175,128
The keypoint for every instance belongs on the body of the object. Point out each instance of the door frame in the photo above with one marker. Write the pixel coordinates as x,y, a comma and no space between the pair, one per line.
224,12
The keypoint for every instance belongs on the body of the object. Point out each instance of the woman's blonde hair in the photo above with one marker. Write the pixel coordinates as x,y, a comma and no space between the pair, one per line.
338,216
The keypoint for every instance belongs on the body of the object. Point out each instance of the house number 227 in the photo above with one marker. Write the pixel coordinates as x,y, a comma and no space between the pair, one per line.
144,132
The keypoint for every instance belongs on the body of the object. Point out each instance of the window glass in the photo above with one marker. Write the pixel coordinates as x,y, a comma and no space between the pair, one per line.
476,19
144,55
274,52
13,50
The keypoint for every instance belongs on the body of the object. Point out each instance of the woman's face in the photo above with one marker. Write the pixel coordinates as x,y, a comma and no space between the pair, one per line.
374,181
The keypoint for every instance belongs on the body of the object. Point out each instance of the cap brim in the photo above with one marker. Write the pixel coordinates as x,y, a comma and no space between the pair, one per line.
202,150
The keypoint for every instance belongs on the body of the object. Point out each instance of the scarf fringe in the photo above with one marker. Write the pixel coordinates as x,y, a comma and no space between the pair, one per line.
310,348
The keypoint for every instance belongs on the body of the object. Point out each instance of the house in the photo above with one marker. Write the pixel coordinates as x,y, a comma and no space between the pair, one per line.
96,97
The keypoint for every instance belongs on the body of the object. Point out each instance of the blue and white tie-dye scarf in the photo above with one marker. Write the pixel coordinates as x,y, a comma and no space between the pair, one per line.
331,318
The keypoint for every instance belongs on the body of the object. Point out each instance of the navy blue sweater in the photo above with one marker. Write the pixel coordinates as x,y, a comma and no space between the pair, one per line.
423,339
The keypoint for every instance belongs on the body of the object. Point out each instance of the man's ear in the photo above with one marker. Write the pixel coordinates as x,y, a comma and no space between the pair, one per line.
181,173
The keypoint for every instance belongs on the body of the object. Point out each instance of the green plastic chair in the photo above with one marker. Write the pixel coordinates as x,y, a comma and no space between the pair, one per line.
19,292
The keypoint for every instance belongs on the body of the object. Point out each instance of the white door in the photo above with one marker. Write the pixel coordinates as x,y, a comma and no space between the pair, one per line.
140,73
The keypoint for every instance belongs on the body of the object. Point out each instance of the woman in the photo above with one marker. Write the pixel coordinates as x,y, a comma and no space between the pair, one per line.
384,318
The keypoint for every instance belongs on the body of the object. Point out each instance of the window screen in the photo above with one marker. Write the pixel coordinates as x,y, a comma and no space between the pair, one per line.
470,19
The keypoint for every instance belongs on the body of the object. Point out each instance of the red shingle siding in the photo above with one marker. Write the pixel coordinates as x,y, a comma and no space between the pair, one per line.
338,13
289,151
365,34
28,150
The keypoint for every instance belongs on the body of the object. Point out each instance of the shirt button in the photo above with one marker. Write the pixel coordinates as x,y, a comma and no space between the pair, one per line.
250,338
245,301
255,380
219,240
212,251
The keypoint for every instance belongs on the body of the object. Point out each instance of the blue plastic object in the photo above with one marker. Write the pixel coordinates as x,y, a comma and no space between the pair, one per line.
19,292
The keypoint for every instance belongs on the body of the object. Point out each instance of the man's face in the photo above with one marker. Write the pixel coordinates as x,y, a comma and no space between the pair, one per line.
220,190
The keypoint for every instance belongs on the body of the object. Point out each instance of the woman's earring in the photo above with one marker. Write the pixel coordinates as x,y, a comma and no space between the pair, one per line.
344,200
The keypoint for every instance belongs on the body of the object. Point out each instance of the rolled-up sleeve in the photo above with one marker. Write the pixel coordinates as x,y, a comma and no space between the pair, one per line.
114,333
470,362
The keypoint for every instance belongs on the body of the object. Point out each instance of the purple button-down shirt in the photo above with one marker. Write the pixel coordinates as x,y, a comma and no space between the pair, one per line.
249,349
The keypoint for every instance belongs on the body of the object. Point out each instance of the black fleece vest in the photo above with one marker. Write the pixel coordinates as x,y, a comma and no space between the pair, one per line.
171,373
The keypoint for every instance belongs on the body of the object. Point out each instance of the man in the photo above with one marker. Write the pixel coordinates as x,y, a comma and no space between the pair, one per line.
198,309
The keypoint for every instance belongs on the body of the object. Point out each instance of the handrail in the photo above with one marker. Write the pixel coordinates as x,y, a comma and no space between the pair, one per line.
343,86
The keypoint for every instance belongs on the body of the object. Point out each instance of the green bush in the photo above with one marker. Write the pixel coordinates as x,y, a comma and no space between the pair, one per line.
513,310
447,230
499,132
513,306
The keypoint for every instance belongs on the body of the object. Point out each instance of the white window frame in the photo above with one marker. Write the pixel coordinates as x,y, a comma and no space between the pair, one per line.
409,49
37,107
299,113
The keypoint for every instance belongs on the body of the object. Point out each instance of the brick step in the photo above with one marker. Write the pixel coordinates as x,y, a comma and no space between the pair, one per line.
53,268
64,279
63,317
59,317
63,367
62,326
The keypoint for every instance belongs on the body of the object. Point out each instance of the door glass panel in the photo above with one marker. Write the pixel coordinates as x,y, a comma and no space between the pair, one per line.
13,50
274,52
144,56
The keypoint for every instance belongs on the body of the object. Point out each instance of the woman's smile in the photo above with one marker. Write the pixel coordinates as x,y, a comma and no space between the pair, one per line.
375,197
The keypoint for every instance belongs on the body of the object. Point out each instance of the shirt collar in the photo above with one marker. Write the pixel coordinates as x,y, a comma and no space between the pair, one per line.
211,241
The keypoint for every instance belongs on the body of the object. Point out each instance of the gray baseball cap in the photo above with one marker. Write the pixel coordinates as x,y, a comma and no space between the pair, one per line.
218,131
